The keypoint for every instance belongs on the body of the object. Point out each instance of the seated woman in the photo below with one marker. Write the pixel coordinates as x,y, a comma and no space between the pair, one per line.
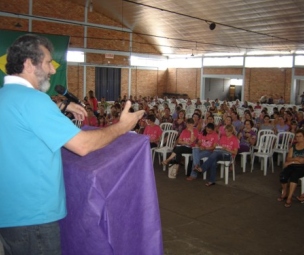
197,121
266,124
229,146
185,143
247,137
153,131
221,129
179,124
207,141
293,170
212,108
281,126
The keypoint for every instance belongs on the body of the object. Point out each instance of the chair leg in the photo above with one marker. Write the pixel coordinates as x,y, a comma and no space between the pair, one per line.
226,174
186,164
283,158
233,172
279,159
205,175
222,171
265,166
252,163
164,156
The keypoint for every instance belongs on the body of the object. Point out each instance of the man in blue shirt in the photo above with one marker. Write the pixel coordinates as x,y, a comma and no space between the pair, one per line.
32,132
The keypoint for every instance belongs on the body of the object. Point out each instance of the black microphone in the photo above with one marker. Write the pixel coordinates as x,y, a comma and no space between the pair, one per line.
63,91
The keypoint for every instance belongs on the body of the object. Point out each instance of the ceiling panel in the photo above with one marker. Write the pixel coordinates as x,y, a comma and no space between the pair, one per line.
183,25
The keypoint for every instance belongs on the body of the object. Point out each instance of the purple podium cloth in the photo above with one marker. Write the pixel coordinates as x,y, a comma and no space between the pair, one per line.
112,201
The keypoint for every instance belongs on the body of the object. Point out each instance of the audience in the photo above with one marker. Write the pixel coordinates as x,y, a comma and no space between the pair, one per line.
283,118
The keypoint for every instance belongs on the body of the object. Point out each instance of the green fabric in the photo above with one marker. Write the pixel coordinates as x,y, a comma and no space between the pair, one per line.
60,43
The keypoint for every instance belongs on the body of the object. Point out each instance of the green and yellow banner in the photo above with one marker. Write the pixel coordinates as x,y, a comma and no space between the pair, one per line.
60,43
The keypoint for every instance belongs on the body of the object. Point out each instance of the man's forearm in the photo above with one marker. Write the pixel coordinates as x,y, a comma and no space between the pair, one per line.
91,140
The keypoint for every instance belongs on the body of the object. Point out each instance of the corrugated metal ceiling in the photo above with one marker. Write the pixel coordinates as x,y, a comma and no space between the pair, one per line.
182,26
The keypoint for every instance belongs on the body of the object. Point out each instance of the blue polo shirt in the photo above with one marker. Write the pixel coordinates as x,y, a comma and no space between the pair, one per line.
32,132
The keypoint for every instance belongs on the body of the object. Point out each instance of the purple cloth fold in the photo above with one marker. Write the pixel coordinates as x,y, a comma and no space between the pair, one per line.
112,201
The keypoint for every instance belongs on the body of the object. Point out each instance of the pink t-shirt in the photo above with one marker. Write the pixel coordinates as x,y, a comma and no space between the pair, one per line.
185,136
231,143
154,132
222,131
209,140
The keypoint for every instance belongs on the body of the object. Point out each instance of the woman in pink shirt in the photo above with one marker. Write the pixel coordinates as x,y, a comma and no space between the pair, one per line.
221,129
229,145
153,131
185,143
207,140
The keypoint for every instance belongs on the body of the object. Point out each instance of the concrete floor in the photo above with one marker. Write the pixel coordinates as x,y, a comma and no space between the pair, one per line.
240,218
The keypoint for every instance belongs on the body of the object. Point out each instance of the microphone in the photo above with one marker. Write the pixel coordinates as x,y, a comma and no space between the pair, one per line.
63,91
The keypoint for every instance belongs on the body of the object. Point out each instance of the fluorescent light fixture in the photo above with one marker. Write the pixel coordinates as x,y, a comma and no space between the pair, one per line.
269,61
75,56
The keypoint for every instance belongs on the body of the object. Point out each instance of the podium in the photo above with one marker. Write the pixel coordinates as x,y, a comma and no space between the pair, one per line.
112,201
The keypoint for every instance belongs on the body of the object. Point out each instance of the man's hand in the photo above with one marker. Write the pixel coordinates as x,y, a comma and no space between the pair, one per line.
91,140
77,110
128,119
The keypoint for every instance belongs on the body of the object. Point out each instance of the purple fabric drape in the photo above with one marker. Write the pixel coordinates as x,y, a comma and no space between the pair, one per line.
112,201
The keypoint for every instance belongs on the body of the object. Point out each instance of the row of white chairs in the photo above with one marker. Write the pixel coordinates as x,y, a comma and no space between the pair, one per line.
267,144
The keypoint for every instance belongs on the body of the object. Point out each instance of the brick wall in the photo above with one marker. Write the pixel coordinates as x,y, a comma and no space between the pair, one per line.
258,81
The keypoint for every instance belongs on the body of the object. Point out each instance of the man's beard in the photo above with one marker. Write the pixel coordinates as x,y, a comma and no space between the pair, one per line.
43,80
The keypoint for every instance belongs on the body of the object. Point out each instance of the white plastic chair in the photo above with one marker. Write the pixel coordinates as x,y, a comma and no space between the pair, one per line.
217,120
265,151
284,141
189,111
168,140
166,126
260,133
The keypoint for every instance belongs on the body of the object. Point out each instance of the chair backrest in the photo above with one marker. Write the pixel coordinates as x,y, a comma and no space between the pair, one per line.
254,129
172,107
217,120
166,126
267,143
263,132
190,110
168,138
284,140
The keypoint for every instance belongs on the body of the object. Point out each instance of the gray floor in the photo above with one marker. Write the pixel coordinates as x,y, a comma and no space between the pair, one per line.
242,217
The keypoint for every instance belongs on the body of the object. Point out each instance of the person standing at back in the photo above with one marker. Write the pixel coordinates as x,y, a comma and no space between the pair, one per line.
32,132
